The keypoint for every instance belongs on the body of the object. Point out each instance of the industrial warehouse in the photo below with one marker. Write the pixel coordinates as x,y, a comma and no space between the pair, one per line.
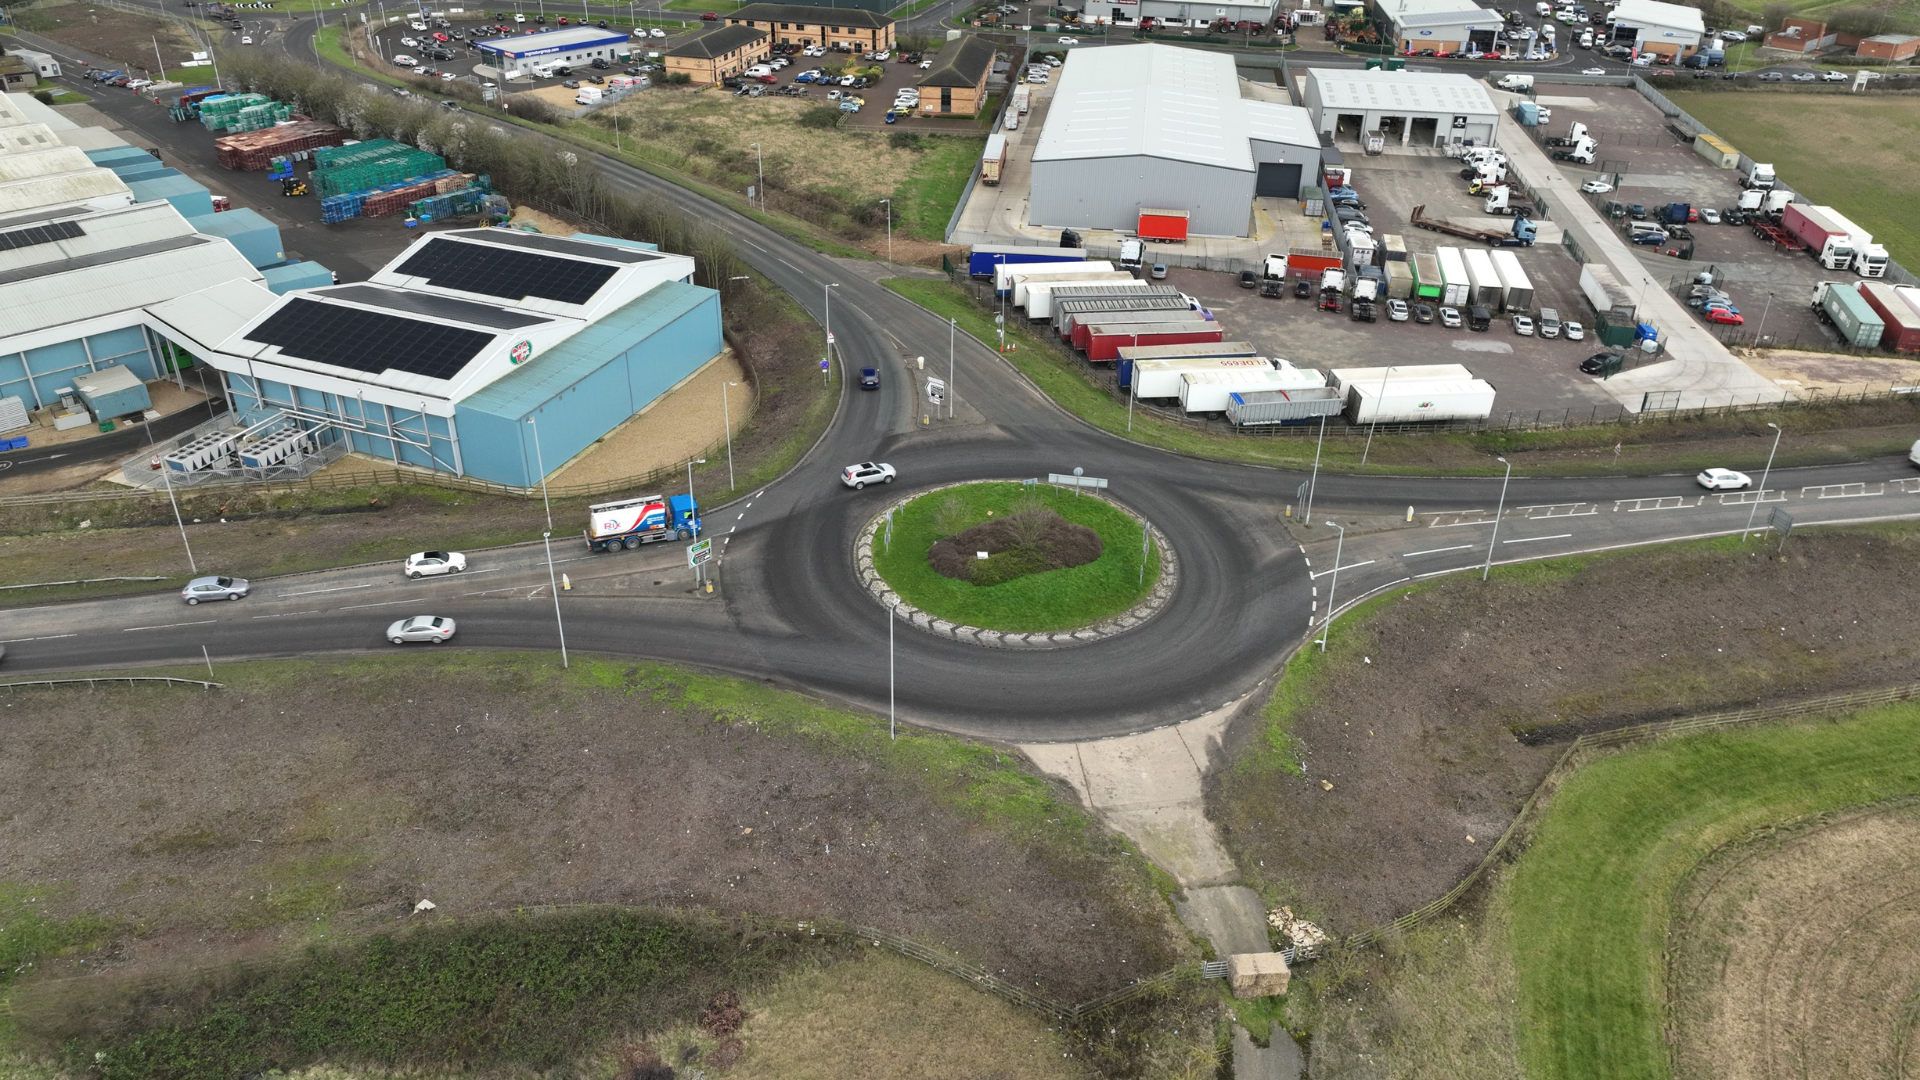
480,352
570,47
1409,108
1156,127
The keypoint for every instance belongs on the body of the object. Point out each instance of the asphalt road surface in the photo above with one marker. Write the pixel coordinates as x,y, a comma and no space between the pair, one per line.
789,610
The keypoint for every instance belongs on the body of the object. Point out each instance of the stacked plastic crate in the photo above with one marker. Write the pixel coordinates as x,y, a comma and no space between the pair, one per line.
372,165
256,117
220,113
395,198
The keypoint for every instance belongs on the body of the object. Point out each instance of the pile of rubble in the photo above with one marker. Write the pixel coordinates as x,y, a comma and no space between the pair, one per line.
1296,932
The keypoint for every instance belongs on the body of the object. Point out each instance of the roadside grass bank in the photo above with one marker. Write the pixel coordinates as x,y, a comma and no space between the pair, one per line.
1379,771
1816,434
1059,599
1590,952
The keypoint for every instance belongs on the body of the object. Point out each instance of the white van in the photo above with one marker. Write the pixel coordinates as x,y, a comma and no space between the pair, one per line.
1913,455
757,70
588,95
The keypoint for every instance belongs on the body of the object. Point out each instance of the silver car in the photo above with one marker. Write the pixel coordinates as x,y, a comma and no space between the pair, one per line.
214,588
434,628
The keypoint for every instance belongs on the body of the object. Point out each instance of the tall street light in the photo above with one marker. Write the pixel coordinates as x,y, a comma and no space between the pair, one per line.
1313,483
1326,627
691,462
541,463
1758,499
952,325
761,164
546,538
826,290
1487,569
893,616
1377,405
726,415
889,203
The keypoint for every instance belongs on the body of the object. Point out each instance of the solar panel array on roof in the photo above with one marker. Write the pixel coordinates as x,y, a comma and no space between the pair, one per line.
561,245
368,340
440,307
40,234
492,271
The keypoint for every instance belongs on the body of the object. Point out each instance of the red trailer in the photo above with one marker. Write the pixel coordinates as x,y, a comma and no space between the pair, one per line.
1082,333
1312,262
254,150
1903,322
1165,226
1105,342
1810,224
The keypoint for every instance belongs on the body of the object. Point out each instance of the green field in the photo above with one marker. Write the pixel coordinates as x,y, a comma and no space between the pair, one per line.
1878,185
1051,600
1590,897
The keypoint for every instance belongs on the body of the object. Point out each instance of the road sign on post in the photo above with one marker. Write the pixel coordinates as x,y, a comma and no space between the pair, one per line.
1781,522
698,552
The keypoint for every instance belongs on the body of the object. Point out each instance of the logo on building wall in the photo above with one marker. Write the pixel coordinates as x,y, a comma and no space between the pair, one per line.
522,352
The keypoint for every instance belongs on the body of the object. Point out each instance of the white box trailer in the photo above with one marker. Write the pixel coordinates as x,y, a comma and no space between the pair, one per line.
1160,379
1456,285
1039,302
1138,353
1420,401
1343,378
1488,291
1209,391
1005,275
1519,286
1267,407
1605,293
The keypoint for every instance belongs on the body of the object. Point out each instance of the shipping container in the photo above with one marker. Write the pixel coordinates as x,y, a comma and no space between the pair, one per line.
1082,335
1209,391
1159,380
984,257
1104,343
1419,401
1519,285
1858,323
1040,294
1488,290
1342,379
255,150
1004,274
1165,225
1267,407
1902,332
1426,278
1453,275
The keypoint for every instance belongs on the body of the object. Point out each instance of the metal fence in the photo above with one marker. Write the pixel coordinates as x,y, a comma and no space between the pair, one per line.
1603,740
91,683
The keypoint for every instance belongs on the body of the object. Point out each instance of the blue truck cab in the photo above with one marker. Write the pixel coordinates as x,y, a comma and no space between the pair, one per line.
627,524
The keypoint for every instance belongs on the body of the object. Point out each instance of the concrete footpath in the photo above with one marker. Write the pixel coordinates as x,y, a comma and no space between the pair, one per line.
1151,787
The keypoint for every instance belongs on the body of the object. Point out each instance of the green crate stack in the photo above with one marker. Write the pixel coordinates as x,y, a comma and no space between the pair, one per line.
219,113
255,117
340,157
398,164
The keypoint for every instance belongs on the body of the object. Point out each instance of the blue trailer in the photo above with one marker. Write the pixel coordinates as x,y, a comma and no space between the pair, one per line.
632,522
984,257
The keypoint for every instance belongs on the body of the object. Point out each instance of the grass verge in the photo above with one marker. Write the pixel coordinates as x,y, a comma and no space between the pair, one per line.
1591,896
1051,600
1841,433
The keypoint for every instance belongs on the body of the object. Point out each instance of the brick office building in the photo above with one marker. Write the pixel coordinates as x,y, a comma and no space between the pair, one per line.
800,24
956,85
709,57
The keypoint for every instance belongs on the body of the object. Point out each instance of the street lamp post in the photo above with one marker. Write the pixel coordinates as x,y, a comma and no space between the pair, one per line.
889,203
1762,495
1313,484
541,463
1378,402
1760,332
761,164
166,474
691,462
826,290
893,616
952,326
726,418
1326,626
554,588
1487,569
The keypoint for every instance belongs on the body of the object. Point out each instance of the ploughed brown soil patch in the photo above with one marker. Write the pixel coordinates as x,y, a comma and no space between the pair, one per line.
1030,542
333,796
1445,708
1798,954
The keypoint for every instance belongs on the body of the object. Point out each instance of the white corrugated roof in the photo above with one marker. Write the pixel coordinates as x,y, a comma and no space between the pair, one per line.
1452,16
213,314
1402,91
58,298
97,187
1271,121
34,111
1157,101
59,159
140,223
27,139
1655,13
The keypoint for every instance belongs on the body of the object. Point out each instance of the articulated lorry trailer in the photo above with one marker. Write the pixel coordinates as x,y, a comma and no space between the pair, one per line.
632,522
1414,401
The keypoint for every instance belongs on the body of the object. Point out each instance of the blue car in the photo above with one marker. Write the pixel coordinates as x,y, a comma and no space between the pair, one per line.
869,378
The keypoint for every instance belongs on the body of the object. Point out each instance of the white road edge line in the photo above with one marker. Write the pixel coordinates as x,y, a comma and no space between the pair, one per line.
286,614
1531,539
1436,551
389,603
49,637
168,626
315,592
1337,569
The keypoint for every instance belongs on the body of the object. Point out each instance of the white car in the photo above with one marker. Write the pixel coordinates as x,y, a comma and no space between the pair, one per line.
1709,215
1069,41
409,43
1574,331
883,56
1593,71
867,472
925,64
1038,80
517,17
404,60
1523,326
433,563
1834,76
1397,310
434,628
1724,480
416,25
448,76
657,33
1450,318
248,40
1596,187
1732,35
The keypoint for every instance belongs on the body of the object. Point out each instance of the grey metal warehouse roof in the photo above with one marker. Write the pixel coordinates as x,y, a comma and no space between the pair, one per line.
1157,101
1410,92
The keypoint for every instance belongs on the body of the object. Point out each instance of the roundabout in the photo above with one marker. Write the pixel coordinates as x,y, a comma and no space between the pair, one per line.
1012,564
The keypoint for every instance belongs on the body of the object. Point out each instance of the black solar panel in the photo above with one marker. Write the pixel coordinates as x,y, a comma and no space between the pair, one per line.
492,271
440,307
40,234
586,249
367,340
